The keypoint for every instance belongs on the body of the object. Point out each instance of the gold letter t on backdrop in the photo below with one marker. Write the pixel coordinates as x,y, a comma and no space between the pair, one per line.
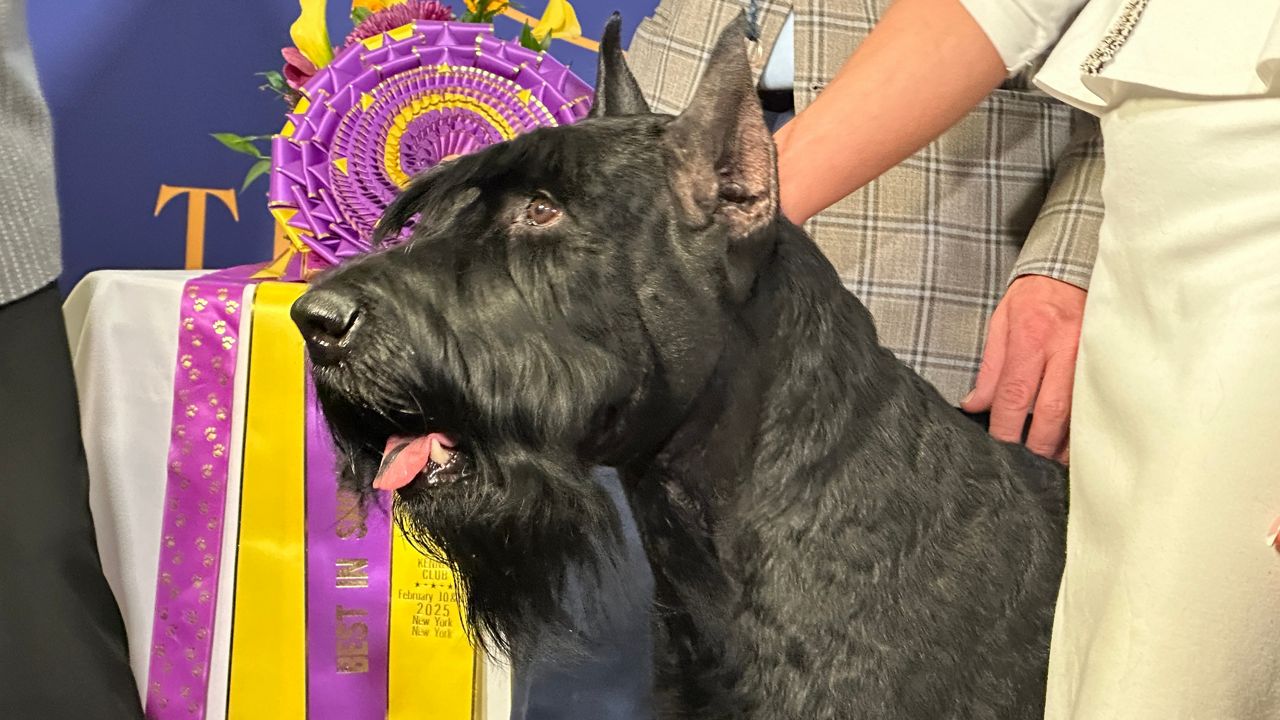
196,210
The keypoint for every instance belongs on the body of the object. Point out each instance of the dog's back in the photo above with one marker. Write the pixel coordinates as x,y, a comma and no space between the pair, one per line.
879,556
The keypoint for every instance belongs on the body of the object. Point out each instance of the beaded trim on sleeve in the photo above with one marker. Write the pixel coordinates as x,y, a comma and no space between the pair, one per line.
1115,38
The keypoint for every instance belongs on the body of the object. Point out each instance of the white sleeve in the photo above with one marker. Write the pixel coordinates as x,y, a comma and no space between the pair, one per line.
1022,30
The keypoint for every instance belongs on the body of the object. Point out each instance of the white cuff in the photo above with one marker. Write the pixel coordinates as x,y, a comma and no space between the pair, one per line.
1022,30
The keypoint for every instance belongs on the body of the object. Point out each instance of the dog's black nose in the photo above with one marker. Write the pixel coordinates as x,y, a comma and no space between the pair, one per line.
326,318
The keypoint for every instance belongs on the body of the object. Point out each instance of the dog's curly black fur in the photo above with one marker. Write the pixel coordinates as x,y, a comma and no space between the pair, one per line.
829,539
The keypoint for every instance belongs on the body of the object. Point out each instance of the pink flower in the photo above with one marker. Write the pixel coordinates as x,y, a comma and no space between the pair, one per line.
297,68
397,15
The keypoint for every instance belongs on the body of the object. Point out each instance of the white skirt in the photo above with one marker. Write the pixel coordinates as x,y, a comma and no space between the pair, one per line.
1170,604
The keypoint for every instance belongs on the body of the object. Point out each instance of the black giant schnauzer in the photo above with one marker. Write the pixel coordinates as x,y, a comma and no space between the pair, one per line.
829,538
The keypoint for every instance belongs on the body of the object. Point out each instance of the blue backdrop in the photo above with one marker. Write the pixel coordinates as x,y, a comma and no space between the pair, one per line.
136,86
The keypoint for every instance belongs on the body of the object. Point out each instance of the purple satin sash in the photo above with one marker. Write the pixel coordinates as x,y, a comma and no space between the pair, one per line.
195,494
348,588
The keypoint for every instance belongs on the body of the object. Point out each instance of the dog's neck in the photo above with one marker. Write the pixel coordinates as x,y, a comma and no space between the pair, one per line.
802,356
800,335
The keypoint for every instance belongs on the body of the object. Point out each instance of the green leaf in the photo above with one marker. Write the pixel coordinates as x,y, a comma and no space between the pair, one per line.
274,79
239,144
528,40
259,168
358,15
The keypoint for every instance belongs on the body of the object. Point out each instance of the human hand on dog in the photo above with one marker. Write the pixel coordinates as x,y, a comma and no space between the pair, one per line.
1030,359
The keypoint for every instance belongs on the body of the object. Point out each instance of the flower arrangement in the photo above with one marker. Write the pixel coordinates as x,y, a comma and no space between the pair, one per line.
312,49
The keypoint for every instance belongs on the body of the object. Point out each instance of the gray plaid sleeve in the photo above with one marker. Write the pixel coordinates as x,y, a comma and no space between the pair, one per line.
1064,239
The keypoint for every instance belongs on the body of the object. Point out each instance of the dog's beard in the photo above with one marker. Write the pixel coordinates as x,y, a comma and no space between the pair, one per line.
516,530
521,515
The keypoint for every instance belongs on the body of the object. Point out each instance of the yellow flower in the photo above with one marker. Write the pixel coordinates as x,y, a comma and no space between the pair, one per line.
374,5
558,21
310,33
491,7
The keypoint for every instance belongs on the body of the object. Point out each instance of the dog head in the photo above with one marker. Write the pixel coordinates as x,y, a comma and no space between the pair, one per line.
560,302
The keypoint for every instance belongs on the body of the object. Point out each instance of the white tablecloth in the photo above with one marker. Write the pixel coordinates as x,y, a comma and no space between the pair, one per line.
123,331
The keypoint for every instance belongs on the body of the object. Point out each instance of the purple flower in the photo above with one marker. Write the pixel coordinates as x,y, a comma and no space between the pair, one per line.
397,15
297,68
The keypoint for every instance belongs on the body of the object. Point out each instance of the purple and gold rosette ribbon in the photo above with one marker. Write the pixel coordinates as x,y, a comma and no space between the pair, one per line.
394,105
340,594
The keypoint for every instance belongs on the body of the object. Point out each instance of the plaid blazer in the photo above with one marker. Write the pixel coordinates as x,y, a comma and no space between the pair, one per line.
930,246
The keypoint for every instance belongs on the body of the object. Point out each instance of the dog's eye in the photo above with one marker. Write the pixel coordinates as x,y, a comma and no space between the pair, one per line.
541,212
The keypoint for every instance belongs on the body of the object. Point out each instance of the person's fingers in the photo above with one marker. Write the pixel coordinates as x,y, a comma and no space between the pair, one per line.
1052,415
1016,390
993,355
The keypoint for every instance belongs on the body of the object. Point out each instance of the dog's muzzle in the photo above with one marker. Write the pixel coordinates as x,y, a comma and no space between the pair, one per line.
328,319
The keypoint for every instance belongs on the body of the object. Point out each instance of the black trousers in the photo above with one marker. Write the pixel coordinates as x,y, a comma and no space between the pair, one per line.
62,643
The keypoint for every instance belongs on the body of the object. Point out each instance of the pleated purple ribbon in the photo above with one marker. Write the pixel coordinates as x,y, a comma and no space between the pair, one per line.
393,106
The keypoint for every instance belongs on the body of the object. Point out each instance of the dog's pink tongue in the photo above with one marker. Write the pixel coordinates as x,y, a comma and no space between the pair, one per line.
405,457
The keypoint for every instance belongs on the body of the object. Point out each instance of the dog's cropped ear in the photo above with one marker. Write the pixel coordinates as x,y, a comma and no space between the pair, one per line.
725,164
617,92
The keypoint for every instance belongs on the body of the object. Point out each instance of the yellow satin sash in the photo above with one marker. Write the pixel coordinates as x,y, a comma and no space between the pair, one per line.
268,643
432,660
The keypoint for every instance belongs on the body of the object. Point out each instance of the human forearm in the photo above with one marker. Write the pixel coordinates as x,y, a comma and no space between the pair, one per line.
925,65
